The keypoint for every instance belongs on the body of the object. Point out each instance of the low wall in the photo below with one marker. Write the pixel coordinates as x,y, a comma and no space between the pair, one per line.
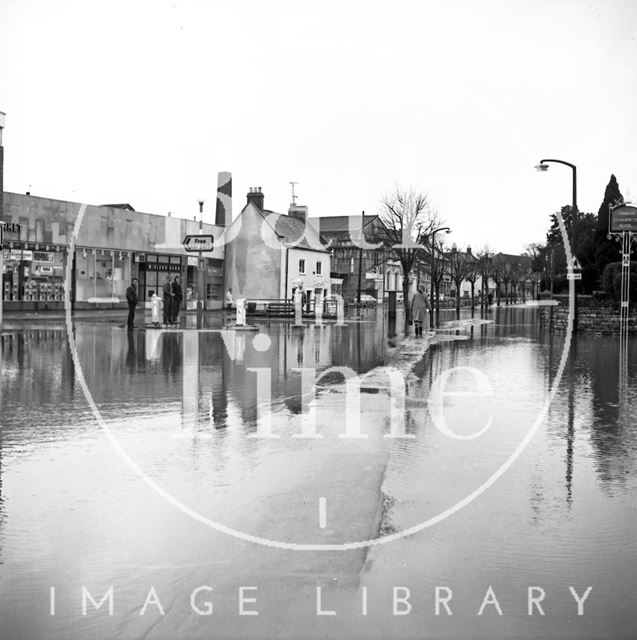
589,319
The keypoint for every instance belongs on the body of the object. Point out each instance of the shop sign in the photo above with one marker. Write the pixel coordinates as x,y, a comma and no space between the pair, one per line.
9,231
17,254
43,256
162,266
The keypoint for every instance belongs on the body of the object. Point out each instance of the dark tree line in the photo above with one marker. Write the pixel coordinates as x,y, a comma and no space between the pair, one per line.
588,237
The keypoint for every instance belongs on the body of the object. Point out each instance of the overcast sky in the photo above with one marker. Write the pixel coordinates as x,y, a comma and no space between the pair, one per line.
144,102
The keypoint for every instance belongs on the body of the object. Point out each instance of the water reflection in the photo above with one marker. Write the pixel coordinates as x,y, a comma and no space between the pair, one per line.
151,386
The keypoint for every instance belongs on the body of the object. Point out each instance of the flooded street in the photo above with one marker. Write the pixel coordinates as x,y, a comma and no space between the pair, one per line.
222,473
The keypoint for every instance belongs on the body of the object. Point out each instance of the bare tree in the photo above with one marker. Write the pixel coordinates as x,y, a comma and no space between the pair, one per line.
473,273
485,267
407,219
499,275
458,269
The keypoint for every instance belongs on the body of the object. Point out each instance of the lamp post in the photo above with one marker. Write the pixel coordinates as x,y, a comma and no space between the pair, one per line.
433,249
200,291
543,166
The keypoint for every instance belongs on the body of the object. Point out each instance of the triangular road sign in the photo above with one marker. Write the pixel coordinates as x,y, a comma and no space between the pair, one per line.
574,264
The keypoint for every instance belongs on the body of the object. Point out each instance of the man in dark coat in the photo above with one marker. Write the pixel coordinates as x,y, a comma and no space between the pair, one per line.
131,298
178,296
167,290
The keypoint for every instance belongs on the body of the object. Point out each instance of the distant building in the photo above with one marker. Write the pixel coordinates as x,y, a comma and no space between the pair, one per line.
355,266
269,255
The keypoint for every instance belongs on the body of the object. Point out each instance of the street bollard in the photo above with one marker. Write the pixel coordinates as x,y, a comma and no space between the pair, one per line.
298,308
241,312
155,309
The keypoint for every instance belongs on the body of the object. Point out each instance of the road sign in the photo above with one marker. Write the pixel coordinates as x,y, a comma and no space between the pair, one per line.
574,264
623,218
203,242
574,275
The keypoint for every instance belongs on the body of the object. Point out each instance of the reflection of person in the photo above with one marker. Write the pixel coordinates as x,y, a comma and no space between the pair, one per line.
178,296
167,290
131,298
131,353
419,306
229,300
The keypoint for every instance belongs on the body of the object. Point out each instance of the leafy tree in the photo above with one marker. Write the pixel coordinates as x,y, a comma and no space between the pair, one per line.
606,250
580,229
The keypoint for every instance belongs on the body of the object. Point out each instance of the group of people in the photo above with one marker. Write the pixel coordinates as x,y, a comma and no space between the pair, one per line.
172,297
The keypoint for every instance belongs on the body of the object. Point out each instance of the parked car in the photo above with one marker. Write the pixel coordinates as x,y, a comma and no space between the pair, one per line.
366,300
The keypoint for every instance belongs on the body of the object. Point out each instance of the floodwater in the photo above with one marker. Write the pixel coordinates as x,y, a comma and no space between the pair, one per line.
221,473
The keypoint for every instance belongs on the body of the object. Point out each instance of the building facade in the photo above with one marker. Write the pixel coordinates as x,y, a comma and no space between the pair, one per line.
359,266
269,255
113,244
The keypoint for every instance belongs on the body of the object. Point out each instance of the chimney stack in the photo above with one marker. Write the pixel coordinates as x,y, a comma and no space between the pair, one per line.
255,196
223,212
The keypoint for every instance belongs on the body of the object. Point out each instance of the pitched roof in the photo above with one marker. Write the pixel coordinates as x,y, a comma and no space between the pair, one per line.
291,230
509,257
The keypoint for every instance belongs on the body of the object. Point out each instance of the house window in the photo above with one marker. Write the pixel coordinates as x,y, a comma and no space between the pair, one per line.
351,265
302,266
318,268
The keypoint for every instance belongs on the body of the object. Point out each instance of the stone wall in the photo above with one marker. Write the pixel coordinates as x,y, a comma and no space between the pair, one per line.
589,319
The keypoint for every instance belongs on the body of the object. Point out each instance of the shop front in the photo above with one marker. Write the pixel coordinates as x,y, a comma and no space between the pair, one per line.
32,274
152,269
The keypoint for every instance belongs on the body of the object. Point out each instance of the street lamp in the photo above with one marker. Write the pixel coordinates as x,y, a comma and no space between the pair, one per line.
543,166
433,247
200,297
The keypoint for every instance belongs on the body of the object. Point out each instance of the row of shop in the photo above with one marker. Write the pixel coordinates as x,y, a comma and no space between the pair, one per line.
33,273
111,245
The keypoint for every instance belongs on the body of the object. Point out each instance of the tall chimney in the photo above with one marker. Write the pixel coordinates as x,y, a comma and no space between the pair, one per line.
223,213
255,196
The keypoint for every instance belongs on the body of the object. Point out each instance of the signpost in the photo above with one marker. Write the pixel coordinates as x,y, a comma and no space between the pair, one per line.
574,269
199,243
623,218
622,223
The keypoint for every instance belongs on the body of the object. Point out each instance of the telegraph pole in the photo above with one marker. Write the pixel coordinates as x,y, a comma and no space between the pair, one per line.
360,259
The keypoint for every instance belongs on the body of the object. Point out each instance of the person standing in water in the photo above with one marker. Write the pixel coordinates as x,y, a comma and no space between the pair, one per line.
419,306
132,299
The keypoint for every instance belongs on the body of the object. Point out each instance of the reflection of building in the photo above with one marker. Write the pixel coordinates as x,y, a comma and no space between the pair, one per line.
269,254
355,266
114,244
